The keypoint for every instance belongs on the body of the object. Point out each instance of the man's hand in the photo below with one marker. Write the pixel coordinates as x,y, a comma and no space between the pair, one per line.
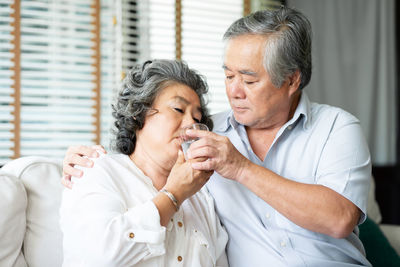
78,155
222,155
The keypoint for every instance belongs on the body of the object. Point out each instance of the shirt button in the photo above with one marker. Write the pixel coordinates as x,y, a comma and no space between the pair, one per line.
283,244
180,224
290,127
249,148
179,258
268,215
131,235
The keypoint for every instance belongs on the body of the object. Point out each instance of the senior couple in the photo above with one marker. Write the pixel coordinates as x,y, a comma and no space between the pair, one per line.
284,178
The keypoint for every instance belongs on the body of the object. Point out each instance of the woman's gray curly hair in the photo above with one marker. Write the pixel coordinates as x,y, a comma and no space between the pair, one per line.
139,90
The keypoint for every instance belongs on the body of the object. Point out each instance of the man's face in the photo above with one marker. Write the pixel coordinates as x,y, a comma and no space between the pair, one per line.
255,101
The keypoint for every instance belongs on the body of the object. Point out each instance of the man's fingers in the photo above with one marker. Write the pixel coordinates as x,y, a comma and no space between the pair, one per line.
83,151
75,159
99,148
203,166
66,181
198,133
71,171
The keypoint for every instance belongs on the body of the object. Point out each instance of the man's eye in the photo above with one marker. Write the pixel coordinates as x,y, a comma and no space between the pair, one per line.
248,82
229,77
196,120
179,110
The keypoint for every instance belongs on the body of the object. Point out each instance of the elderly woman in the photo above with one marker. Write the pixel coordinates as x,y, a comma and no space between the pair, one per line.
146,206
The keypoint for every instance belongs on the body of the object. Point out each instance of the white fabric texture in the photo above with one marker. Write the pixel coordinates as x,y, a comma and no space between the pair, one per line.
12,220
354,65
108,219
41,178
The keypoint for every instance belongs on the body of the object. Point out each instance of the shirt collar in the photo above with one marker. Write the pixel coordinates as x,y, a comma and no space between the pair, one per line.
303,110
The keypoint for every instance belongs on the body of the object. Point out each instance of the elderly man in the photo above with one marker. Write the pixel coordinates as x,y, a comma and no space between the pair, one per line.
291,176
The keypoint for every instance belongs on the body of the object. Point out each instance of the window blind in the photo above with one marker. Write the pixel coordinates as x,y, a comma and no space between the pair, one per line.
57,74
7,27
203,25
157,29
119,51
60,60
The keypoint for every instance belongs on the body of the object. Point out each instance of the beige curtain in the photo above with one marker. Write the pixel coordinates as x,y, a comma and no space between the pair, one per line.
354,65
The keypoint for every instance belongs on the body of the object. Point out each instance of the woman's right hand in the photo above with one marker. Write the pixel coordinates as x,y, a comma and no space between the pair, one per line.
184,181
78,155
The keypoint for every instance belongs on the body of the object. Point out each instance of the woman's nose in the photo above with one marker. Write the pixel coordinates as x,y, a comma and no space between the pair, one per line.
188,120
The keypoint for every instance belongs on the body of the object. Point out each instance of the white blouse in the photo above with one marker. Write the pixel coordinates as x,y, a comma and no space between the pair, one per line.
109,219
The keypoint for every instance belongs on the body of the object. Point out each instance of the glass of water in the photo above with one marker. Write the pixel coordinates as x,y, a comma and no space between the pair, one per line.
187,140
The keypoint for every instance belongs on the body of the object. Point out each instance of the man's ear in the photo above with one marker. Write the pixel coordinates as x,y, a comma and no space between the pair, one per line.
294,81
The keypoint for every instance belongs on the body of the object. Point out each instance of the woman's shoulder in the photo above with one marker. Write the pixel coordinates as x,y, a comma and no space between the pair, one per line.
102,171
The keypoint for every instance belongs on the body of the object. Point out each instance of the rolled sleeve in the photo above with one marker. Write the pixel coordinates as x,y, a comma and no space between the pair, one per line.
345,164
145,227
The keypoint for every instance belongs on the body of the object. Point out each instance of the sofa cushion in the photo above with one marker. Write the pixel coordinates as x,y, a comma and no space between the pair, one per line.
43,238
13,204
373,210
377,247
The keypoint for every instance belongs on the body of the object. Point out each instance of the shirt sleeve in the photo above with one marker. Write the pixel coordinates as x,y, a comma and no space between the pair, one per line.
345,163
99,228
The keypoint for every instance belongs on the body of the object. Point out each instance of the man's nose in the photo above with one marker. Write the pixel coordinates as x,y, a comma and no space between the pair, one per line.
236,89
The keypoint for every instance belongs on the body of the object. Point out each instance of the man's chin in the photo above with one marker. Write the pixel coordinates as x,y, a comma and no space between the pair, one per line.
242,119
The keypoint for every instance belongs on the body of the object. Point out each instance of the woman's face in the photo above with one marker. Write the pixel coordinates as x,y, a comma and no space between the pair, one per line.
176,106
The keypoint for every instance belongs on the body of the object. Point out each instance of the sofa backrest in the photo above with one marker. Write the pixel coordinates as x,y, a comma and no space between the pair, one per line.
42,244
13,203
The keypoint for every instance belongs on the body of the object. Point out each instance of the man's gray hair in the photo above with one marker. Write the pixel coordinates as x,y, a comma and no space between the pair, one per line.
139,90
288,45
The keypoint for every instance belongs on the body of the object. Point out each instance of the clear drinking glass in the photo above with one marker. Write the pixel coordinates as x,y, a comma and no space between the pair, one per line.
187,140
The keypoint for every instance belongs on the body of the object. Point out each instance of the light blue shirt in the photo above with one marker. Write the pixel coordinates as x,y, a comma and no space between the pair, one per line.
320,145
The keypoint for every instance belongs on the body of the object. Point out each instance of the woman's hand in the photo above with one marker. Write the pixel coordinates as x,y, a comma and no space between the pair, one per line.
222,155
184,181
78,155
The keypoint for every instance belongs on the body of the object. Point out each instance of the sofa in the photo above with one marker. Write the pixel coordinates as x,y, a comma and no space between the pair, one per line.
30,194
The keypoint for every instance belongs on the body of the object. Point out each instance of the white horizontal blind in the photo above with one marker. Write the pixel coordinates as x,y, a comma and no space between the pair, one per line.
119,52
108,65
203,25
157,29
6,82
57,76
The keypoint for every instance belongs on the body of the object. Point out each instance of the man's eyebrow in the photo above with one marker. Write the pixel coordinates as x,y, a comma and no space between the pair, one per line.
245,72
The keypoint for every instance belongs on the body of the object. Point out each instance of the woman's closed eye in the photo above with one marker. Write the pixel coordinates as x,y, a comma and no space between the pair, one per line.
179,110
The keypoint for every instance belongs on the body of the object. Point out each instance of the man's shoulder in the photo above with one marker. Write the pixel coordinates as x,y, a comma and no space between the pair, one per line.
324,112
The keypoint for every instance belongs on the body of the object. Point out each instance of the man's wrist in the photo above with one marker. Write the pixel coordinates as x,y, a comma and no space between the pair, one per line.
243,170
